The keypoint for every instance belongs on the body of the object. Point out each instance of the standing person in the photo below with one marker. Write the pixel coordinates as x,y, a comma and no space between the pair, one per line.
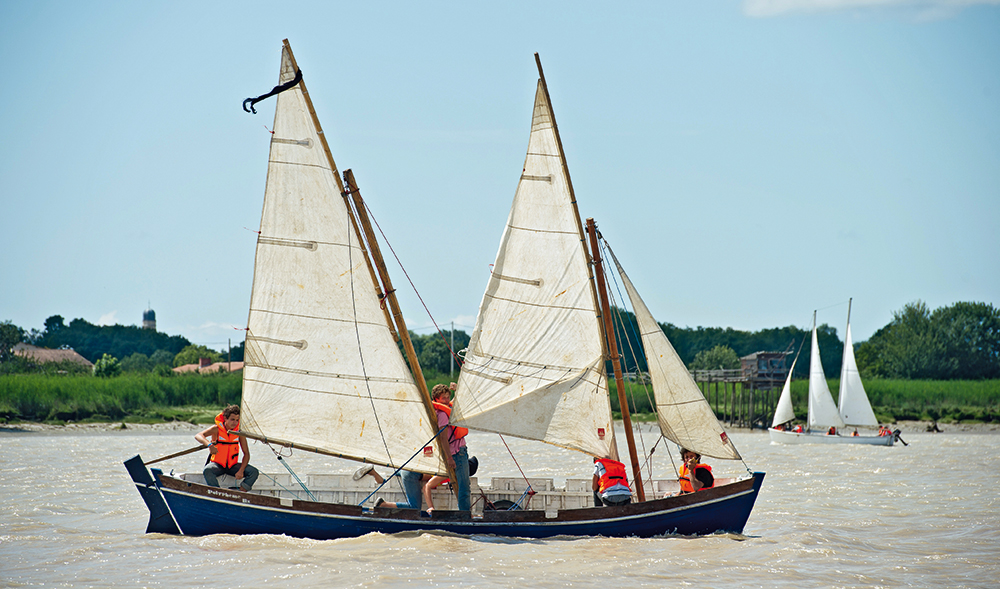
225,445
610,483
459,458
703,477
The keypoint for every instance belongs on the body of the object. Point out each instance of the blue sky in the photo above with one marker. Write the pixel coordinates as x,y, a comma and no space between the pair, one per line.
748,161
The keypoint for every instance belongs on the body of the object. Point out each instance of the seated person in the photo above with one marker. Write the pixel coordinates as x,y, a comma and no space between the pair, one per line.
610,483
225,443
703,477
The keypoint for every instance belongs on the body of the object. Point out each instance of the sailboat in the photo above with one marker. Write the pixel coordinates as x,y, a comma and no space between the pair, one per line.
324,374
854,410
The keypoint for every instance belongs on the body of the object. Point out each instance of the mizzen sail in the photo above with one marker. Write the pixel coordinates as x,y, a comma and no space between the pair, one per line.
684,415
322,367
855,408
823,412
784,412
535,363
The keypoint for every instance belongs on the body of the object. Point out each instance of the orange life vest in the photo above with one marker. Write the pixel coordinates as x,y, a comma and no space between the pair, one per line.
685,481
614,474
456,432
228,445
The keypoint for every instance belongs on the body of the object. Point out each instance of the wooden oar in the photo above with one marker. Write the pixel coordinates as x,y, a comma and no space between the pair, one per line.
175,455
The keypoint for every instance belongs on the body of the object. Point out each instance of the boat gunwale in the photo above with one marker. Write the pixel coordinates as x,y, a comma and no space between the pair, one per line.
653,507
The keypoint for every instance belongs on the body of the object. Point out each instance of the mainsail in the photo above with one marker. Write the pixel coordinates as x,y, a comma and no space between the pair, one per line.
322,367
535,363
823,412
855,409
684,415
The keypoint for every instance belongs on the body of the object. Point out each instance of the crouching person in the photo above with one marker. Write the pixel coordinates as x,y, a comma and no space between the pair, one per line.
225,444
610,483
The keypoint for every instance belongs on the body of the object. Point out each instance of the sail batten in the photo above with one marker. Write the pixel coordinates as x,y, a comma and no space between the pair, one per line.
323,369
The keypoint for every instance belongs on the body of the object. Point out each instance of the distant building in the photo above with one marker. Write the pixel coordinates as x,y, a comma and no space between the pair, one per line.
45,355
207,366
149,319
764,370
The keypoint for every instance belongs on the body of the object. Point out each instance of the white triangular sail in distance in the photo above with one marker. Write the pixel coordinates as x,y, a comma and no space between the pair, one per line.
684,415
823,412
855,408
535,366
323,370
784,412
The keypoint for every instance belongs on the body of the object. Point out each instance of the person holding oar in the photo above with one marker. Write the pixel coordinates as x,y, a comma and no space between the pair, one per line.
225,443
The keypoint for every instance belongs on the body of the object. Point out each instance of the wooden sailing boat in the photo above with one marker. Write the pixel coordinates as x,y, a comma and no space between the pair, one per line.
324,373
854,410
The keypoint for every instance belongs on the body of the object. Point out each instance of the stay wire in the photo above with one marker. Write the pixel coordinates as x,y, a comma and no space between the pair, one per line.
357,333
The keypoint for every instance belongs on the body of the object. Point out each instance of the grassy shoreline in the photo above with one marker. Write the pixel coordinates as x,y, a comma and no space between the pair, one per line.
197,398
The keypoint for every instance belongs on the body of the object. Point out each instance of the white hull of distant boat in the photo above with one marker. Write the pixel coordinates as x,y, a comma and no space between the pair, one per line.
786,437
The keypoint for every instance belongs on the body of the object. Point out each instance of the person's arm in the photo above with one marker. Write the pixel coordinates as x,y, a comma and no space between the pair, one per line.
246,457
207,438
705,478
692,468
442,422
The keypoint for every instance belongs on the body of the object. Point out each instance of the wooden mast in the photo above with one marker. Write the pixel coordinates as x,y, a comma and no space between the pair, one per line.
609,333
404,334
340,186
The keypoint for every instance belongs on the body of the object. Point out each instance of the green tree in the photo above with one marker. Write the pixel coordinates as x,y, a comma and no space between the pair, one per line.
718,358
910,346
191,354
970,333
10,336
137,363
107,366
162,357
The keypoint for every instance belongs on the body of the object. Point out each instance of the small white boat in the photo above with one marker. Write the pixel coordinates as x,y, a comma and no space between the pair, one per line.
854,411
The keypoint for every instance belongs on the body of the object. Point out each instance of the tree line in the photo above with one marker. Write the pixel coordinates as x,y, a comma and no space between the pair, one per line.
961,341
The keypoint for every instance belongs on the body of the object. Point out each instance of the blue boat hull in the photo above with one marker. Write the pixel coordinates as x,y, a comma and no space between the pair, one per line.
196,510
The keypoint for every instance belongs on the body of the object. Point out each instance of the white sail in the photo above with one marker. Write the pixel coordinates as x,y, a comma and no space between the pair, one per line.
855,409
684,415
535,365
823,411
784,412
322,368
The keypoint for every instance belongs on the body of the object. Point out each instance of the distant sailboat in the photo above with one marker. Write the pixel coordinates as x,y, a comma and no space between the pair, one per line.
855,409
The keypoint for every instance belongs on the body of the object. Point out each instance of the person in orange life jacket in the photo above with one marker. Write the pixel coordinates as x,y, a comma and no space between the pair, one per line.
832,431
798,429
855,432
459,453
225,450
702,479
610,483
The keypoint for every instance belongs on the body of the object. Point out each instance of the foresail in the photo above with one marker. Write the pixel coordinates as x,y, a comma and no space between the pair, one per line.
535,367
684,415
784,413
322,369
823,412
855,409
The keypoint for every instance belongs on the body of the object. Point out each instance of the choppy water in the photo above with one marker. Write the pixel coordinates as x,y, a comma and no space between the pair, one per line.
828,516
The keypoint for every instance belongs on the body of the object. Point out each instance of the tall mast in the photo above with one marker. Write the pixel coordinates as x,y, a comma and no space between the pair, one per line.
404,334
609,333
340,185
569,183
